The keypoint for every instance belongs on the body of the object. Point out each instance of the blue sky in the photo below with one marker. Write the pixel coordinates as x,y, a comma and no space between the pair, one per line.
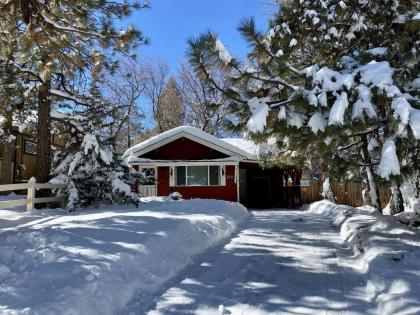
169,23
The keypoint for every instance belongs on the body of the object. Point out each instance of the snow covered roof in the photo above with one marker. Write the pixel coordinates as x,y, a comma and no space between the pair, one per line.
136,160
231,148
243,144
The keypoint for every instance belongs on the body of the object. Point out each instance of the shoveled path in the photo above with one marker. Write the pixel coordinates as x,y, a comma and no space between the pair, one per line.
280,262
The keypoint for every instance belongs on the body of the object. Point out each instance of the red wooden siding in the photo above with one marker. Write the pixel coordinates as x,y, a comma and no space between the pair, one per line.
183,149
228,192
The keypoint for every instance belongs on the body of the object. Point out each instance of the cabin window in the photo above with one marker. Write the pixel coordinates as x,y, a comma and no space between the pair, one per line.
181,175
30,147
214,175
198,175
149,176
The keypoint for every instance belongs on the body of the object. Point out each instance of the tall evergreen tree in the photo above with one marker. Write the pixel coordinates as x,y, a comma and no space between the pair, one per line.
170,112
58,42
335,80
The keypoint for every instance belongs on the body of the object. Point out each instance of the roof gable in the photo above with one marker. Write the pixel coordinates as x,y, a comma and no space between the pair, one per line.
184,149
190,133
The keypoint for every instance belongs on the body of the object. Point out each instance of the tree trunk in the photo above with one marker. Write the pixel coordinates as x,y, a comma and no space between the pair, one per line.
6,176
44,134
8,148
396,203
373,188
128,133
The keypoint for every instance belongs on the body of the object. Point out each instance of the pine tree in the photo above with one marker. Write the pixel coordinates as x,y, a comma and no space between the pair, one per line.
89,165
58,42
11,100
6,114
331,80
170,112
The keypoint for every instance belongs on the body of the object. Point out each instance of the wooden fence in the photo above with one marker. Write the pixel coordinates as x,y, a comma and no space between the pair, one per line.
147,190
346,193
30,199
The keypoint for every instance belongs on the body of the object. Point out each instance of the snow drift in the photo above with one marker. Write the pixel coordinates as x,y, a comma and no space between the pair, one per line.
95,261
385,250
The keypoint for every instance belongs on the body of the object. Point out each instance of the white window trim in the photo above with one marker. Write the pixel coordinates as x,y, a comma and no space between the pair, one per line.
151,167
222,174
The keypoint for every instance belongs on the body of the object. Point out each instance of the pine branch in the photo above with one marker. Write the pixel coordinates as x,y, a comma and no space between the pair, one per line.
349,146
370,130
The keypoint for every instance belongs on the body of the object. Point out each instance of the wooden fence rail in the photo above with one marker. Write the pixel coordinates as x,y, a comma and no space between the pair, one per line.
31,199
346,193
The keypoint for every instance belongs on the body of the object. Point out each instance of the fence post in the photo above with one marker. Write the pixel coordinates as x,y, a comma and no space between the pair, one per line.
31,195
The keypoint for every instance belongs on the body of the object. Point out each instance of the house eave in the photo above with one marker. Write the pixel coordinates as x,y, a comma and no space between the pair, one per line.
154,163
223,148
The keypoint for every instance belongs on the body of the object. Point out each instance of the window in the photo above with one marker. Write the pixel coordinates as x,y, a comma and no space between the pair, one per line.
30,147
197,175
214,175
149,176
181,176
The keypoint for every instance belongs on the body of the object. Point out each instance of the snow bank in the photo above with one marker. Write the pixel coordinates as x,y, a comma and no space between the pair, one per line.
387,251
95,261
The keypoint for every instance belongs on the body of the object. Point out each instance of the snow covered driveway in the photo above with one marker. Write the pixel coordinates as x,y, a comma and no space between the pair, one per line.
281,262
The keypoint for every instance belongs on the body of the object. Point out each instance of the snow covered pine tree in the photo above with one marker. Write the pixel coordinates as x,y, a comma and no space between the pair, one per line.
89,164
59,44
335,80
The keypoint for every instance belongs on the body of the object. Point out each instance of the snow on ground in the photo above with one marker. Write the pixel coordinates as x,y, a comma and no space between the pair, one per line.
301,262
385,251
94,261
331,259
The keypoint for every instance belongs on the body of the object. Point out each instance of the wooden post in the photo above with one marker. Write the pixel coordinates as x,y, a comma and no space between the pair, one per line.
31,195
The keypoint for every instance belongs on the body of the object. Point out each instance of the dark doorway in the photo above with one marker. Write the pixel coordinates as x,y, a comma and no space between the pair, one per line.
259,192
264,188
242,186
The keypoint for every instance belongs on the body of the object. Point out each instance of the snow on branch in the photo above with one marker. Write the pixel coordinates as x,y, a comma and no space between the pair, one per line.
69,96
224,55
389,164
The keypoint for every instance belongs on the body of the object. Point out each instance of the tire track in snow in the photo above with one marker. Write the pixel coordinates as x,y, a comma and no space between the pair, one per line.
284,262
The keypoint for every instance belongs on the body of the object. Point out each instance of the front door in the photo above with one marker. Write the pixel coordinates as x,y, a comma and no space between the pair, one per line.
148,187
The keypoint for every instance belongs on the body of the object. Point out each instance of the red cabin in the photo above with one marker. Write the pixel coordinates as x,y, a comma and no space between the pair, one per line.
199,165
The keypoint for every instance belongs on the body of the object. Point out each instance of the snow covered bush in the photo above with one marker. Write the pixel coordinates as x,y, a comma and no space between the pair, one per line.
89,165
175,195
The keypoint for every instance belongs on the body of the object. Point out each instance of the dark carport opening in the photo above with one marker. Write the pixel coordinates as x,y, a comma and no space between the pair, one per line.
264,188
